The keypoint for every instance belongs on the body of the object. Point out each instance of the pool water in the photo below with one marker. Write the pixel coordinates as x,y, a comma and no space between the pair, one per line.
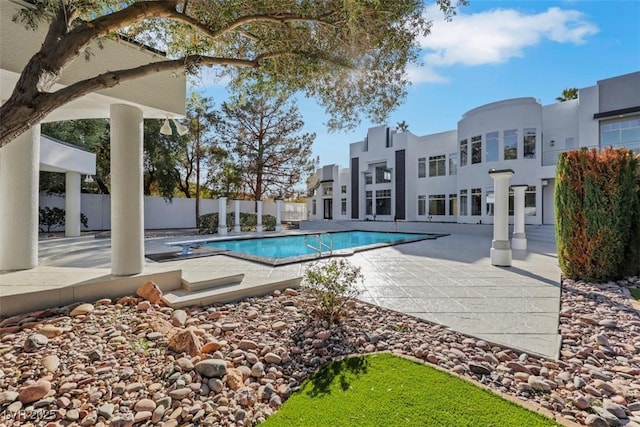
285,247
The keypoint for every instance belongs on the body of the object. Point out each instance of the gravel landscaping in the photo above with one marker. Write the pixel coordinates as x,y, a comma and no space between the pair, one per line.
109,362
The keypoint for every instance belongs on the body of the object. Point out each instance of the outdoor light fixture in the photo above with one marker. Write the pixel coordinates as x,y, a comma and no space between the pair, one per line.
166,128
88,179
182,129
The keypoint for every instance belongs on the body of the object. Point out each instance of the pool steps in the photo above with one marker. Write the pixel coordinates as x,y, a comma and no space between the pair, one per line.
224,289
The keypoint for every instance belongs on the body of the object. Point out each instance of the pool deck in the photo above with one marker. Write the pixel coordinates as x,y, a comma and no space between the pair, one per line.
448,280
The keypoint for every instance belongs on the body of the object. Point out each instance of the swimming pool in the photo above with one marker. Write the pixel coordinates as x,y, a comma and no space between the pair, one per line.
287,249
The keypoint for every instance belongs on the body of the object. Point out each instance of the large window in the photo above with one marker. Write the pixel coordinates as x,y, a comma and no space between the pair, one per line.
463,203
453,204
422,205
422,167
476,149
383,174
492,147
529,143
327,189
625,133
343,206
476,201
383,202
463,152
368,203
453,164
511,144
437,165
437,204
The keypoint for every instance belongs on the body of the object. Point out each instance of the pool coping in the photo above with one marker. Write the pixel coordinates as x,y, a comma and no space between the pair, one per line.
296,259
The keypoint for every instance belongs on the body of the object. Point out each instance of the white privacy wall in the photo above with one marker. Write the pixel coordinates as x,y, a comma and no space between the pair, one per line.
162,214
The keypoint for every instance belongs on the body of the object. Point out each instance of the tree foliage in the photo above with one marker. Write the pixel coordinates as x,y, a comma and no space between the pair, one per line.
161,155
263,136
568,94
349,54
597,213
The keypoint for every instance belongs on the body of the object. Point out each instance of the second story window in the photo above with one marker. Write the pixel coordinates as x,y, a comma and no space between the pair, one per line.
511,144
422,167
453,164
463,153
383,174
476,149
492,147
529,143
437,165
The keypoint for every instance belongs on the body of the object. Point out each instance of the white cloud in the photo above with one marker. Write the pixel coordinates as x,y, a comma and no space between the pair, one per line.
495,36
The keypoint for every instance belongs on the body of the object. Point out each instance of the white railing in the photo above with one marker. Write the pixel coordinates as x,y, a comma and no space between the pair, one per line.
316,244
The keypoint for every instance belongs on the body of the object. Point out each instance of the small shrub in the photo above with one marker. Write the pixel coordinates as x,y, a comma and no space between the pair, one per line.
208,223
333,283
56,218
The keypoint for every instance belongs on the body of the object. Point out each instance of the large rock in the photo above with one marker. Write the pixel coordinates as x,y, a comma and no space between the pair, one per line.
179,317
35,391
185,342
212,368
35,342
162,326
81,310
150,291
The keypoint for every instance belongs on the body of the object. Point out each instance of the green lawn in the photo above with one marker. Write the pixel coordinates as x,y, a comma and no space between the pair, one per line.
636,294
385,390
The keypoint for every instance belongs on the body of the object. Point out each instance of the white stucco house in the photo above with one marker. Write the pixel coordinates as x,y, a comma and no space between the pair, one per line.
444,176
159,95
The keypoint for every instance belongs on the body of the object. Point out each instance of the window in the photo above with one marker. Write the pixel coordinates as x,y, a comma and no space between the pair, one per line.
366,143
511,144
343,206
437,165
437,204
476,149
476,201
529,143
529,201
453,204
463,153
327,189
422,205
463,203
389,142
491,200
313,207
383,174
453,164
492,147
343,189
383,202
422,167
624,133
368,203
368,179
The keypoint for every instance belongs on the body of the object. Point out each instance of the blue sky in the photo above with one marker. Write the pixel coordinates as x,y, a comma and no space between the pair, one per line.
494,50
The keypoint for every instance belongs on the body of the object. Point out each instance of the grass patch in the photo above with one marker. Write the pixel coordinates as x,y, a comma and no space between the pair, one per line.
635,293
385,390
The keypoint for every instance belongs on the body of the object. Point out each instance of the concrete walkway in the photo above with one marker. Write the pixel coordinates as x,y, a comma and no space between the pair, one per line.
448,281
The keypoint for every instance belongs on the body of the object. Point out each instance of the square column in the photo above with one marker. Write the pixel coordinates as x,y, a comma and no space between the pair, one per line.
72,195
278,215
259,216
19,219
236,216
222,216
519,238
127,202
500,248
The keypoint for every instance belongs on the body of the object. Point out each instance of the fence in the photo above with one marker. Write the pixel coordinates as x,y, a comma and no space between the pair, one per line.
161,214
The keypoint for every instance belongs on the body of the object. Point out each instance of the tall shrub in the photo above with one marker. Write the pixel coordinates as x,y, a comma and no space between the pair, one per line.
597,214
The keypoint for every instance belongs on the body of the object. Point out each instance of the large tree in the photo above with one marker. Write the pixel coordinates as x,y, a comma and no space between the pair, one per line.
349,54
264,136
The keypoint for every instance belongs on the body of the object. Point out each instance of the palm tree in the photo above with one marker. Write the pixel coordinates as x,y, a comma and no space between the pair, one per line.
403,126
568,94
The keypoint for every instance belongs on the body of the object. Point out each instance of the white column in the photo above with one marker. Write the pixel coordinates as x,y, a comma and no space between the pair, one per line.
222,216
500,248
278,215
259,219
19,180
72,192
236,216
519,239
127,202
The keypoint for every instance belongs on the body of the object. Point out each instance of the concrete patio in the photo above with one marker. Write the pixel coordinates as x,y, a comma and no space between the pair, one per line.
448,281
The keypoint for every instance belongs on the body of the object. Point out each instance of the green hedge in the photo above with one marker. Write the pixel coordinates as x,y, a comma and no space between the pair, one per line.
597,213
208,224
